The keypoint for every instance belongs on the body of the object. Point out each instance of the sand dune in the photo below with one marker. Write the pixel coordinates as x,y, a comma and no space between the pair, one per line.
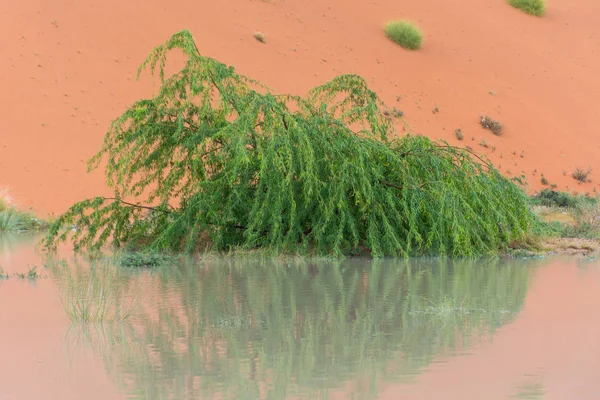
67,68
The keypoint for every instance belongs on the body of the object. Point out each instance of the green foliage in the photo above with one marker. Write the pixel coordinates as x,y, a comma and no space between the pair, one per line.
585,210
141,260
227,163
533,7
553,198
404,33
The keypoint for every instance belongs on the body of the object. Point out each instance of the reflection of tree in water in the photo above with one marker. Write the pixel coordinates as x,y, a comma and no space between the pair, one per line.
251,330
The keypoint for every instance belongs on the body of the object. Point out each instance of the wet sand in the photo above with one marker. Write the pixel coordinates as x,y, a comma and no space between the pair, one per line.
67,69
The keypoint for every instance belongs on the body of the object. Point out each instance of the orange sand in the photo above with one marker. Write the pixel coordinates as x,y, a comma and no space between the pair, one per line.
67,69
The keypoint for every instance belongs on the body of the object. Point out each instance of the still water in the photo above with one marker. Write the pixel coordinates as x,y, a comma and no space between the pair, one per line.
252,329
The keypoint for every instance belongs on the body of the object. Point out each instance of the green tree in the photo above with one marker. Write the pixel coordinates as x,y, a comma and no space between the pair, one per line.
217,160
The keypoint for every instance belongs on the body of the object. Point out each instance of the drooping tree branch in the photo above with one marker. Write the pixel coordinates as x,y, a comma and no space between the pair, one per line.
287,173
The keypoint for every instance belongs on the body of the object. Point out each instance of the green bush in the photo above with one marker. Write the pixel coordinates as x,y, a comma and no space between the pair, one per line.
222,162
404,33
553,198
533,7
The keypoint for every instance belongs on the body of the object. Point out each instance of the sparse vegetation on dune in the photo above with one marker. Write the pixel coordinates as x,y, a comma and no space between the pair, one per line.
246,171
533,7
492,125
259,36
581,175
404,33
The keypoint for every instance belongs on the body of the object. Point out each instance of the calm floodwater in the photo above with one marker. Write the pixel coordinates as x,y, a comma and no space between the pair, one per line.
232,329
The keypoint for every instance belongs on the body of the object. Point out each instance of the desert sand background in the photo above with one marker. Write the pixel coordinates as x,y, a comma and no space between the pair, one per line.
67,69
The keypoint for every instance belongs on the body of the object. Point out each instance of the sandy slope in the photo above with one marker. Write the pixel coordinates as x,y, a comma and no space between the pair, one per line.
67,69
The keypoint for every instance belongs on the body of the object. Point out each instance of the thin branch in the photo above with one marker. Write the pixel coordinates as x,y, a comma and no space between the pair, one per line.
140,206
467,151
190,123
284,122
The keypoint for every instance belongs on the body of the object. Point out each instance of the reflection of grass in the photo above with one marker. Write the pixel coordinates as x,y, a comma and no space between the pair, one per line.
530,391
31,274
96,295
447,307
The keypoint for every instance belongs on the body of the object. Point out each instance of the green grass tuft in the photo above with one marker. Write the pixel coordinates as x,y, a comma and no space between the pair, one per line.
533,7
16,221
404,33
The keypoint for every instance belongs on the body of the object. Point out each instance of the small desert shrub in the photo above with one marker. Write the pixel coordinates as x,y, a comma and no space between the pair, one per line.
260,37
553,198
581,175
533,7
494,126
544,180
404,33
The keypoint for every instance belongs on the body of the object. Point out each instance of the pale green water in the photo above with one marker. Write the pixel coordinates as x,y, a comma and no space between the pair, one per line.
359,329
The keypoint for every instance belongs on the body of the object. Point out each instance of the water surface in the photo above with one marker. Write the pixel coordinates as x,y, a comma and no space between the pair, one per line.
265,329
